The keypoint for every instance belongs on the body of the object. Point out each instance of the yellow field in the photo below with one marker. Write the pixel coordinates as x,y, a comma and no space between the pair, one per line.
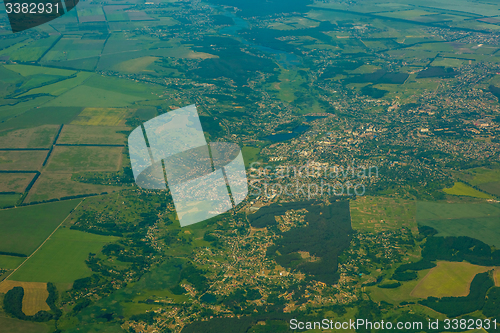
496,277
464,190
35,295
135,65
448,279
102,117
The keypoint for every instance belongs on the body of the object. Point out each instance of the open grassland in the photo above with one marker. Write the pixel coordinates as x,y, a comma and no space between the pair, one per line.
102,117
8,200
486,179
37,137
396,295
35,295
465,190
60,87
42,116
58,185
74,48
448,279
22,160
30,50
26,70
15,182
86,96
77,134
135,65
476,220
250,154
25,228
10,262
11,325
378,213
74,159
62,258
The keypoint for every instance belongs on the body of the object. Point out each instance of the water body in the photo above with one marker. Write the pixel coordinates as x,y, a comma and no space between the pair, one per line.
311,118
287,136
283,58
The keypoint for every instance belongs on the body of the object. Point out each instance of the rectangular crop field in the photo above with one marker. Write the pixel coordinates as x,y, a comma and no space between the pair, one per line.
23,229
8,200
87,96
102,117
77,134
37,137
476,220
58,185
448,279
79,158
379,213
62,258
35,295
22,160
15,182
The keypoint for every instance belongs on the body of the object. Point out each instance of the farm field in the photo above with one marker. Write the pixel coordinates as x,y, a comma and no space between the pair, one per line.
102,117
11,325
62,258
60,87
32,224
250,155
86,96
396,295
35,117
35,295
486,179
7,200
378,213
448,279
78,158
476,220
10,262
52,185
14,182
22,160
78,134
37,137
465,190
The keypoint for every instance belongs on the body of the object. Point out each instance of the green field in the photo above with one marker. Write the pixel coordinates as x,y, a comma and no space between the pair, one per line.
75,134
38,137
10,262
86,96
7,200
62,258
14,182
25,228
448,279
11,325
74,159
379,213
22,160
250,155
476,220
462,189
60,87
486,179
26,70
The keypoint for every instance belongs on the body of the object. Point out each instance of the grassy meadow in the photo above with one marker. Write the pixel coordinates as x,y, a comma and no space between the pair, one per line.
62,258
31,224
